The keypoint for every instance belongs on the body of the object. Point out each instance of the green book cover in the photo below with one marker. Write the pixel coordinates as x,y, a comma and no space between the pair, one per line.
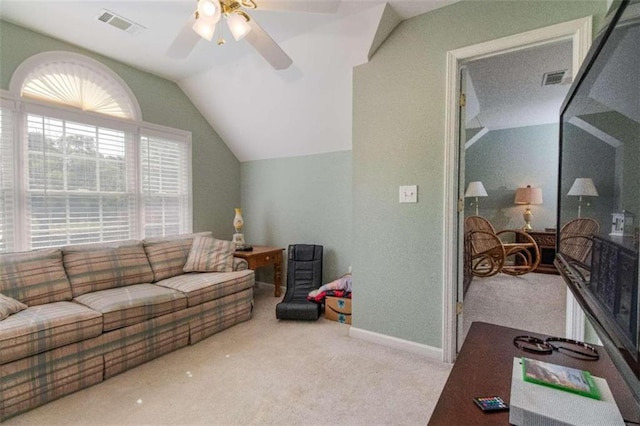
559,377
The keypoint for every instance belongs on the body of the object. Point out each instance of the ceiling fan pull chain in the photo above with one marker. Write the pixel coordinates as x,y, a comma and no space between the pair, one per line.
221,39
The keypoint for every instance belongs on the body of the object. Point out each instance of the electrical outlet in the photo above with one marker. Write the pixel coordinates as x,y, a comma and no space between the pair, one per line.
409,194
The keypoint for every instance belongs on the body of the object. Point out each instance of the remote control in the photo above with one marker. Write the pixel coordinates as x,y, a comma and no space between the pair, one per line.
491,403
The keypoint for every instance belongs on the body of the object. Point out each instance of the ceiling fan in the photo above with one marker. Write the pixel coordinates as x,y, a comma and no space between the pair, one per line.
208,17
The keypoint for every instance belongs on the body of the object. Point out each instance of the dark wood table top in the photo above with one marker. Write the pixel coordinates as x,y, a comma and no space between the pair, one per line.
483,368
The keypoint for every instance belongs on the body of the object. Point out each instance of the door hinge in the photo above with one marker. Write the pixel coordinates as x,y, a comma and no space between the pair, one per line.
463,100
459,308
460,205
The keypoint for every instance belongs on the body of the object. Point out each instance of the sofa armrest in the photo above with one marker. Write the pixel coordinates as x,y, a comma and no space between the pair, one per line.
240,264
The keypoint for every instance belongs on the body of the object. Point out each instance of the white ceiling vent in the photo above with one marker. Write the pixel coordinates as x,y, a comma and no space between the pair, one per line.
119,22
554,78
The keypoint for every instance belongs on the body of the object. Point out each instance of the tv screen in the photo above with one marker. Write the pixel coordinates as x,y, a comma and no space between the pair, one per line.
599,189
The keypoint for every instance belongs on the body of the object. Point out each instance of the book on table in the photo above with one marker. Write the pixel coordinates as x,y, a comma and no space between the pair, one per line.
560,377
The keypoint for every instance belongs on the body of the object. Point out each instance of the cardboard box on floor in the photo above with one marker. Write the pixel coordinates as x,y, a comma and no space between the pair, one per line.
337,309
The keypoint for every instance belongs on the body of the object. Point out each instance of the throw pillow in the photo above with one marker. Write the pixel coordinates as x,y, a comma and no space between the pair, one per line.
9,306
208,254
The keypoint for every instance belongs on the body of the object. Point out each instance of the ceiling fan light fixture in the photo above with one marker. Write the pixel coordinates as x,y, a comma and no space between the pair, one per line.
209,9
238,25
205,27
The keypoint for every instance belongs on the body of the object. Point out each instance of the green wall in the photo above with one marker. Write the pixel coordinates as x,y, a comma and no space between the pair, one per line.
504,160
216,171
398,134
300,200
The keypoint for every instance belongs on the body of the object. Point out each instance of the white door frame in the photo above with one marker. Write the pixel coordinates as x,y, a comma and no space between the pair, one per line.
579,31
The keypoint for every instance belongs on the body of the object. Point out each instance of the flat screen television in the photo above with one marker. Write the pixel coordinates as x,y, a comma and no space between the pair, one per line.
599,179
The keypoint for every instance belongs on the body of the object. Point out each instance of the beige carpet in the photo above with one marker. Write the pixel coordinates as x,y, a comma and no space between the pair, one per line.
533,302
262,372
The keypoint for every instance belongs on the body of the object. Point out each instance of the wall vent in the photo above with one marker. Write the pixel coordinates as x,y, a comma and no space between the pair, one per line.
554,78
119,22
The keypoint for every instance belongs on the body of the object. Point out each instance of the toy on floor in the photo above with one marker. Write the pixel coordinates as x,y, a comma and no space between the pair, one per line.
339,288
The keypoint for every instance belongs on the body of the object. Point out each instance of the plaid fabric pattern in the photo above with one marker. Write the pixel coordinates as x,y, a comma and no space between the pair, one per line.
132,304
202,286
44,327
211,317
95,270
36,380
34,277
168,255
240,264
127,347
208,254
9,306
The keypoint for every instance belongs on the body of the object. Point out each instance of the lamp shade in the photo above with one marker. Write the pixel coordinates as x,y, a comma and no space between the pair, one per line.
210,9
528,195
238,26
205,27
583,186
475,189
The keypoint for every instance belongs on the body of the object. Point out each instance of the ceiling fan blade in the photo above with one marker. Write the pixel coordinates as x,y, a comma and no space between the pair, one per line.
267,47
311,6
185,41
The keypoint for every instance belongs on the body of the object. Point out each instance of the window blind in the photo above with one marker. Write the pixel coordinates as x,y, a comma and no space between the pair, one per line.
7,159
166,175
80,185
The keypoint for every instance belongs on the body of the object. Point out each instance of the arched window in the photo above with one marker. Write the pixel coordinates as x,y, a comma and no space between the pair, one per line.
77,81
83,168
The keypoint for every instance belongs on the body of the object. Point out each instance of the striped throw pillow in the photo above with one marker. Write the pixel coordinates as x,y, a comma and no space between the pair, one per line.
9,306
208,254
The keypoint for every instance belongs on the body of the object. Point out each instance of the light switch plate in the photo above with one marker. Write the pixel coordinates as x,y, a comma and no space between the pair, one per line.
409,194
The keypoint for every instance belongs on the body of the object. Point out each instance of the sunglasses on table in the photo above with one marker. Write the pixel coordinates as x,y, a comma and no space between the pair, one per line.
572,348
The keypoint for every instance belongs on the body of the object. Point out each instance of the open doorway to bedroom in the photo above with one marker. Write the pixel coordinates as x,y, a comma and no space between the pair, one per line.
510,135
578,33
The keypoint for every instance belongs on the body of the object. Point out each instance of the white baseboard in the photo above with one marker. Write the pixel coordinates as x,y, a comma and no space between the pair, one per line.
396,343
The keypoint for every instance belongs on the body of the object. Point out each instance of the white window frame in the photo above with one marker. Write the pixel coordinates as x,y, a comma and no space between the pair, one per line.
21,107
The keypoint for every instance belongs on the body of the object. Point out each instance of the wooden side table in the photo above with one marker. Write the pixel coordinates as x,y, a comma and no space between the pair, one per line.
547,245
265,256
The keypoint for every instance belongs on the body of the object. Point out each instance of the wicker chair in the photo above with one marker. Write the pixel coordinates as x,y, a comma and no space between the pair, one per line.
509,251
576,240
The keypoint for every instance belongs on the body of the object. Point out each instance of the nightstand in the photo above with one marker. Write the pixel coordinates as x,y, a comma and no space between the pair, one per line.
265,256
547,245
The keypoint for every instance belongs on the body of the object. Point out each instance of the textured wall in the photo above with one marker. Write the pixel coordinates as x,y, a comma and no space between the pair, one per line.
398,134
300,200
216,171
504,160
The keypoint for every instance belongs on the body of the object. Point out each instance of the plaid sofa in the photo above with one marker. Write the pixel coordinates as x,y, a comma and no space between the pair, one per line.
92,311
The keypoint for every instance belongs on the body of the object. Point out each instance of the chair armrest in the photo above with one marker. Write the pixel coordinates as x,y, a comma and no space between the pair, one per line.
240,264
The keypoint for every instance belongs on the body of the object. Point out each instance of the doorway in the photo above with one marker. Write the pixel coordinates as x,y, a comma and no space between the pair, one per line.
578,32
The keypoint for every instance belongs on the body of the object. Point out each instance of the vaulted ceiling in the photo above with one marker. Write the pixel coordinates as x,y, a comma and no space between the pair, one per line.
259,112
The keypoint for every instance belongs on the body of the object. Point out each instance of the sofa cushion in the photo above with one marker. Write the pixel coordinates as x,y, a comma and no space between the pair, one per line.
203,287
132,304
168,255
43,327
9,306
101,269
208,254
34,277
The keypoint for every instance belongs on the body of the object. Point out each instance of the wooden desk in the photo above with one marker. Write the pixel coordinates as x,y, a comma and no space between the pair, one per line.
484,367
265,256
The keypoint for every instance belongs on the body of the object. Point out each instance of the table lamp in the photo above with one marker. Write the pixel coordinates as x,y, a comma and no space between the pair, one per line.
528,196
475,189
582,187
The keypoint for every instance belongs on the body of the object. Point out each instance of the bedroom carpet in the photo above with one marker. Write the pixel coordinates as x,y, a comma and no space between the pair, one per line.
263,371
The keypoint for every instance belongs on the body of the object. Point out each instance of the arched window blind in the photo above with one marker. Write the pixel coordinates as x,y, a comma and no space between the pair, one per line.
71,82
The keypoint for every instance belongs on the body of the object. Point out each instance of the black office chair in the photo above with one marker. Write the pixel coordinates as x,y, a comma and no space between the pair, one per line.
304,274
